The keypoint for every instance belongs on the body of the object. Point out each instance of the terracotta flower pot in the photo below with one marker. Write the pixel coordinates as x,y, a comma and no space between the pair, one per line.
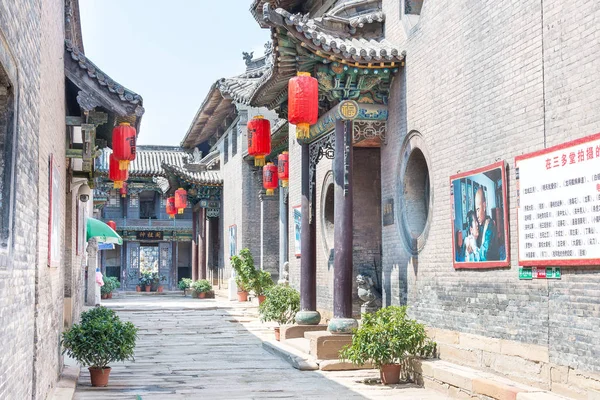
277,333
390,374
138,288
202,295
160,289
109,296
103,296
261,299
242,296
148,287
99,376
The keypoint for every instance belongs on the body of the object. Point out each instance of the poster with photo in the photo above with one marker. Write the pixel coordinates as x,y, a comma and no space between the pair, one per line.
232,240
297,229
479,220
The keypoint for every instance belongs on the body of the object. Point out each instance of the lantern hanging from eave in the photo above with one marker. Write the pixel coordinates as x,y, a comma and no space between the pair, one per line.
259,139
303,103
123,144
270,178
283,170
118,176
112,224
123,190
180,200
171,210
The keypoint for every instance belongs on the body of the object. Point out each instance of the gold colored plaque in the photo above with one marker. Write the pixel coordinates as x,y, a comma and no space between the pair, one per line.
348,109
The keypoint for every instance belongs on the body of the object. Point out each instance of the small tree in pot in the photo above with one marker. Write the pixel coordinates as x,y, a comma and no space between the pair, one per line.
100,339
387,338
201,287
281,305
185,284
260,283
243,265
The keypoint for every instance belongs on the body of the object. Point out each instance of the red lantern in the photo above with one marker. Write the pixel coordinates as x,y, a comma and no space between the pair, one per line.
283,169
123,190
123,142
303,103
112,224
259,139
115,174
171,210
180,200
270,178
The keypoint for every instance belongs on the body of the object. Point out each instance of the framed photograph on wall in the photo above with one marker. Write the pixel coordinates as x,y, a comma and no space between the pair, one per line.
297,212
483,241
54,214
232,240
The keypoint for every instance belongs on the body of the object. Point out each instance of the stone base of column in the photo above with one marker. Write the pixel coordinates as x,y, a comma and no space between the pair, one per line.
232,292
342,325
308,318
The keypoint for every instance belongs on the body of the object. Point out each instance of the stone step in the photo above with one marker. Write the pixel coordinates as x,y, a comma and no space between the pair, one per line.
325,345
300,344
462,382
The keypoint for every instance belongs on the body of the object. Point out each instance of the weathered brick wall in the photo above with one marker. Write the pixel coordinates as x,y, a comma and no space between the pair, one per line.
505,80
49,291
20,34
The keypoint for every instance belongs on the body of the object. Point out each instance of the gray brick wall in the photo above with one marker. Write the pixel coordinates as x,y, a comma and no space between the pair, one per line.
505,80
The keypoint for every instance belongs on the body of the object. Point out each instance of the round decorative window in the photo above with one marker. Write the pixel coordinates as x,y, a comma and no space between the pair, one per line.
327,212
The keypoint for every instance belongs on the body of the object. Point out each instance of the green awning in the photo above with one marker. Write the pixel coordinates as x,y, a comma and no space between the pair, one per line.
102,232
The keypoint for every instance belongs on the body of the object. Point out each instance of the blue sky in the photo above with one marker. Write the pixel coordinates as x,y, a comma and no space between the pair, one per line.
169,52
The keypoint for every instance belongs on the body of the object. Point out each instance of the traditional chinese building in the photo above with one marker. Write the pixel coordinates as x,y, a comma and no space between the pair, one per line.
445,135
152,240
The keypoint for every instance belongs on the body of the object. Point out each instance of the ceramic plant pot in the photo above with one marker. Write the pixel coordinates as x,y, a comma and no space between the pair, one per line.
390,374
99,376
277,333
242,296
261,299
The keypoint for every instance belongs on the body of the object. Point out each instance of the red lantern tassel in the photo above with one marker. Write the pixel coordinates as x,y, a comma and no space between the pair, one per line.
180,211
123,165
259,161
284,183
302,131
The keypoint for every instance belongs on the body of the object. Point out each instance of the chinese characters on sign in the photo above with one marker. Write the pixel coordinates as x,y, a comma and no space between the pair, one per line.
149,235
558,203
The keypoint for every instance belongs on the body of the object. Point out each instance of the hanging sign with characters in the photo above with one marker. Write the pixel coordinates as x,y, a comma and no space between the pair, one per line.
558,204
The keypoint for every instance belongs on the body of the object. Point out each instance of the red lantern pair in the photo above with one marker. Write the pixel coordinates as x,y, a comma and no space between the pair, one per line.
303,103
171,210
180,200
118,176
270,178
123,142
283,169
259,139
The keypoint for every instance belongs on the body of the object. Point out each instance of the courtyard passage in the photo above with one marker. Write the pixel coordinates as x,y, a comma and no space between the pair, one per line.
212,349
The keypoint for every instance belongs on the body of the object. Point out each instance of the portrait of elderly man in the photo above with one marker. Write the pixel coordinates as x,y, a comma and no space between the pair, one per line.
488,234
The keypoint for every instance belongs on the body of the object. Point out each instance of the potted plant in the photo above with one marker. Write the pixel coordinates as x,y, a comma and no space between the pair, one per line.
243,265
387,338
156,282
185,284
146,280
111,284
100,339
260,283
201,288
281,305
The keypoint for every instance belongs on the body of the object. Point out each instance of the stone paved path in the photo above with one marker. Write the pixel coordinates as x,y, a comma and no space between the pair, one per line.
211,349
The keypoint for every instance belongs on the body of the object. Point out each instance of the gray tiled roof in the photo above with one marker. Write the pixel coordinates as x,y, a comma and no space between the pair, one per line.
197,177
148,161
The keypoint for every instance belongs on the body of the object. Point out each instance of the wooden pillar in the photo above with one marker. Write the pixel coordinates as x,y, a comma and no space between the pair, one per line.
308,314
283,231
342,321
194,245
202,244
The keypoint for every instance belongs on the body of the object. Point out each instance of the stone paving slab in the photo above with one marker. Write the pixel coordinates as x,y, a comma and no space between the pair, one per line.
212,349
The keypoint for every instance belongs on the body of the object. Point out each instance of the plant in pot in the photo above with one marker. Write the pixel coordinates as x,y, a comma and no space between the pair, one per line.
387,338
201,288
185,284
146,280
260,283
156,282
111,284
100,339
281,305
243,265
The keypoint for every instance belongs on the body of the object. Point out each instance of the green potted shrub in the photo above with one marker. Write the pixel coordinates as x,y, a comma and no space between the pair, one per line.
387,338
260,283
100,339
146,280
155,282
243,265
185,284
111,284
281,305
201,287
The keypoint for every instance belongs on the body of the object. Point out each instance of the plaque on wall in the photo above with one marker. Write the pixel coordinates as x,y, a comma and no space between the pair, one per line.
388,212
149,235
558,204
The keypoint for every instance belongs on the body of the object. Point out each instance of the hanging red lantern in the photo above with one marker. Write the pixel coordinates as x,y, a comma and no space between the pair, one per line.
123,190
283,169
171,210
303,103
123,142
270,178
180,200
115,174
112,224
259,139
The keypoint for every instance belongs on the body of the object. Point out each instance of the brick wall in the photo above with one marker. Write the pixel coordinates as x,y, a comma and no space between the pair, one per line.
505,80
